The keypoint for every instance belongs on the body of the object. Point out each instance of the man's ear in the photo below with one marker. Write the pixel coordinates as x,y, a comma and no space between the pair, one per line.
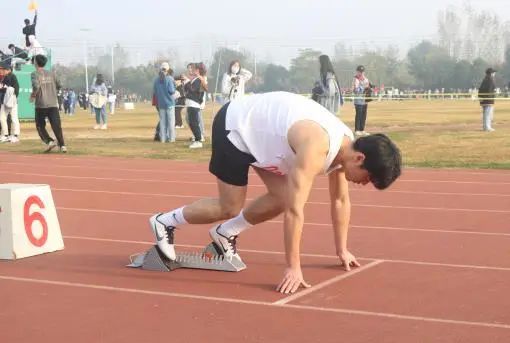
359,158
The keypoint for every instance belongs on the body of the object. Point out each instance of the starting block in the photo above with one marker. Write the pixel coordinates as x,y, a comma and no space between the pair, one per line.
209,259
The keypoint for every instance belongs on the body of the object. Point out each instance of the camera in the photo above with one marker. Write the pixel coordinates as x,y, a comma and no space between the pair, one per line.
235,80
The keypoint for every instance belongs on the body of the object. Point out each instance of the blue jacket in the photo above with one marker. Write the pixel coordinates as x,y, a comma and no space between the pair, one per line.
163,90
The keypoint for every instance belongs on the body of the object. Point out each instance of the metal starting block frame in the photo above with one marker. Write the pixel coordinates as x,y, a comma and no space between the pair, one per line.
210,259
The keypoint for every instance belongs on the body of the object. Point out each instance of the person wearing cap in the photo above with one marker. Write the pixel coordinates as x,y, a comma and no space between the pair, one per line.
29,29
164,90
9,88
486,94
360,85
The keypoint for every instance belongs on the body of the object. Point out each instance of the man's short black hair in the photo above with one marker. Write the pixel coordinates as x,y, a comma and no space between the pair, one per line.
382,159
41,61
11,46
27,21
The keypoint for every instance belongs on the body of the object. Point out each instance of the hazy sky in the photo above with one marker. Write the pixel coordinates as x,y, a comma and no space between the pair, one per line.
274,29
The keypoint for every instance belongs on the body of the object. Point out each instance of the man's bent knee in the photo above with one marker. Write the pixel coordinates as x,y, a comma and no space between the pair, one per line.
229,212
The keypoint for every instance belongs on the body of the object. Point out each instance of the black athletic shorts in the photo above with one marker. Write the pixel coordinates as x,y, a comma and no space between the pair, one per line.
228,163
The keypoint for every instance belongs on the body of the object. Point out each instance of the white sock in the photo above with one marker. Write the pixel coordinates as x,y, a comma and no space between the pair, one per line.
173,218
234,226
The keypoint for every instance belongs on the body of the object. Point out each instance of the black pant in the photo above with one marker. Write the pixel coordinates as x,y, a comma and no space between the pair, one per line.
178,116
9,122
361,117
194,122
54,118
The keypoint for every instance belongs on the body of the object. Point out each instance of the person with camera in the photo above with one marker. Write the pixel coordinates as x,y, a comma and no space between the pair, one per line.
362,94
234,81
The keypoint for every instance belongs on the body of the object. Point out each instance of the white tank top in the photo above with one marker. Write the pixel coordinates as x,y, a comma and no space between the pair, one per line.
259,125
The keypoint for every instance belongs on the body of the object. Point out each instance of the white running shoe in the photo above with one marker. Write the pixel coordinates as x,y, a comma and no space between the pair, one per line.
97,127
50,146
164,236
196,145
104,127
226,244
4,139
63,149
14,139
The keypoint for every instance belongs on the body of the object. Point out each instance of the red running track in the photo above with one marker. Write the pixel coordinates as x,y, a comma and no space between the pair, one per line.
435,250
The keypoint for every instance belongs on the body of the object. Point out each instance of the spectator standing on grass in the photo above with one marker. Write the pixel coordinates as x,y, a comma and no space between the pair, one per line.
202,71
164,89
112,98
329,94
486,94
180,102
44,93
72,101
9,88
98,102
360,85
2,100
194,91
234,81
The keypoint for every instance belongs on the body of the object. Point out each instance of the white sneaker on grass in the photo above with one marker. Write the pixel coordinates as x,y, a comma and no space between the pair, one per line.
196,145
50,146
14,139
4,139
164,236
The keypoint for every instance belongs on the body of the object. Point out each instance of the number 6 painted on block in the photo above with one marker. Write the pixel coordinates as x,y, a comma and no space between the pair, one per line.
35,217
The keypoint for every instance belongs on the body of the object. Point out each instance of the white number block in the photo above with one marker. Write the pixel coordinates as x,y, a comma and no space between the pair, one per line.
28,221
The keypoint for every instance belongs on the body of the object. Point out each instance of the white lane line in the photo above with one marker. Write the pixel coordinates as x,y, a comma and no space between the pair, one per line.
133,290
265,252
308,224
251,302
168,195
165,169
399,316
319,203
253,185
326,283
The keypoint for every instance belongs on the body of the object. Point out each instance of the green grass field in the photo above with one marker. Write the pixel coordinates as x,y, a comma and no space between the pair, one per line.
438,133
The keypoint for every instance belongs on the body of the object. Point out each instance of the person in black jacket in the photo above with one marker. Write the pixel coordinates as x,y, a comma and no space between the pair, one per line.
9,88
194,91
486,94
29,29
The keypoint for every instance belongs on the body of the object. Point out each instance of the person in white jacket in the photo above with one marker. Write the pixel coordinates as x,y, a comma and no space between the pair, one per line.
234,81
